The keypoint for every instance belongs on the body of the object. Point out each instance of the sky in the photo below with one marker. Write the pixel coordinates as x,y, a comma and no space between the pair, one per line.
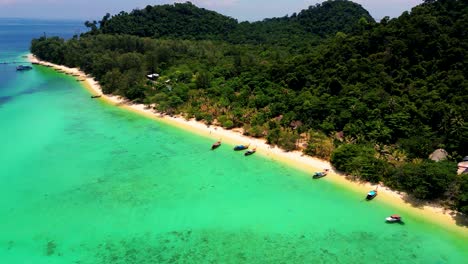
242,10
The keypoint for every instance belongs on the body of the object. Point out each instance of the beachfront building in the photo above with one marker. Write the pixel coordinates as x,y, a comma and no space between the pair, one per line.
463,166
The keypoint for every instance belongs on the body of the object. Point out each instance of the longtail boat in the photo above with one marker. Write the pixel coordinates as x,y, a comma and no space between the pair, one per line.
241,147
320,174
393,219
371,195
250,152
216,145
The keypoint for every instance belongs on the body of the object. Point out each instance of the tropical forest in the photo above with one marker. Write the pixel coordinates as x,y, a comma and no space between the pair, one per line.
375,98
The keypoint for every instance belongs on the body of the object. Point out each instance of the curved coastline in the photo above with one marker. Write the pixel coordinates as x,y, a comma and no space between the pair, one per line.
430,212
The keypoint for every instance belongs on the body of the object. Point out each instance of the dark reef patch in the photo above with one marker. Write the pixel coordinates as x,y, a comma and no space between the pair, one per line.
212,246
50,248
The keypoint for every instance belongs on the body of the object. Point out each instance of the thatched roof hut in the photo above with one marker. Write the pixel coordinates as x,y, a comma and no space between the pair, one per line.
438,155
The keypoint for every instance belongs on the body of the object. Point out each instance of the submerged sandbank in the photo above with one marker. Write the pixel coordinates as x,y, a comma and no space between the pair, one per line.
296,159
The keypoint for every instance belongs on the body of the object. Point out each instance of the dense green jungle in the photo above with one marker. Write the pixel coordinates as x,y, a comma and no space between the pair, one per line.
374,98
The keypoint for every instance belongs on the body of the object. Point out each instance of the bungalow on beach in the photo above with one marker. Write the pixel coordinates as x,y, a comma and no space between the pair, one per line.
463,166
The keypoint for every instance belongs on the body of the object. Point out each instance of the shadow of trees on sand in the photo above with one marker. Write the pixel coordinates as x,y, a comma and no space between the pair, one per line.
459,218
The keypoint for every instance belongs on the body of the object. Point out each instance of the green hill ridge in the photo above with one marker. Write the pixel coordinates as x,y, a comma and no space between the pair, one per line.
187,21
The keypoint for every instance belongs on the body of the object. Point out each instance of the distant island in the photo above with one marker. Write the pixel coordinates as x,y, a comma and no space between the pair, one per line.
374,98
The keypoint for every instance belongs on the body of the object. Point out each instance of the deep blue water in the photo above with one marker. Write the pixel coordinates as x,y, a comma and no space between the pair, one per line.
15,39
16,34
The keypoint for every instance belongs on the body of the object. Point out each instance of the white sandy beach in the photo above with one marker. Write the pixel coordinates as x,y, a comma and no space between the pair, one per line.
435,213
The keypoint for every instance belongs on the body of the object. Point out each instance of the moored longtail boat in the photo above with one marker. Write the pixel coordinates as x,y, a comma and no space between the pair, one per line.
320,174
371,195
216,145
250,152
241,147
393,218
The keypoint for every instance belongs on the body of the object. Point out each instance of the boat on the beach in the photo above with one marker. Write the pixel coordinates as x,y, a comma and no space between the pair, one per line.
23,68
95,96
250,152
393,219
241,147
371,195
216,145
320,174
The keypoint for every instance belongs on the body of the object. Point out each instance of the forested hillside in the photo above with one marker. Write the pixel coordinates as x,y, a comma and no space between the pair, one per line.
186,21
374,98
174,21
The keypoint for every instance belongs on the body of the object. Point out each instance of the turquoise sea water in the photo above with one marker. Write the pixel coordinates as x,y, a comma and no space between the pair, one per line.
85,182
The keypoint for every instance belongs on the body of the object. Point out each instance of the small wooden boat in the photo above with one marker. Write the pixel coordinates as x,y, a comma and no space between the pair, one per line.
320,174
95,96
216,145
371,195
250,152
393,219
241,147
23,68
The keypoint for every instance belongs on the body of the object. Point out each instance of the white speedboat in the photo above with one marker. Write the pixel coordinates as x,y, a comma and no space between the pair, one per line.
393,218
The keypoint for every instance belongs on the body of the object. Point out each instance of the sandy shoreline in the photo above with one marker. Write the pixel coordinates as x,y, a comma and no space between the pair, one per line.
296,159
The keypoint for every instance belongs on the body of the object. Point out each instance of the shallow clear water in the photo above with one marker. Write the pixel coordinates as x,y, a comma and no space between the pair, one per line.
85,182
